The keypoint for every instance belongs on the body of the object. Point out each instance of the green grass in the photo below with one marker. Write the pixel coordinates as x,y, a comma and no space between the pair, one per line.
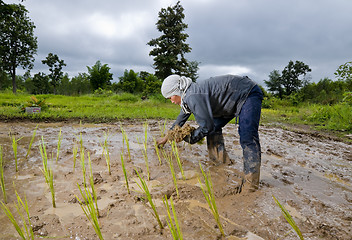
93,108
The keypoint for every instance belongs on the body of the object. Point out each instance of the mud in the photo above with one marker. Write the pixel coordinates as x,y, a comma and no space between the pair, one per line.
311,176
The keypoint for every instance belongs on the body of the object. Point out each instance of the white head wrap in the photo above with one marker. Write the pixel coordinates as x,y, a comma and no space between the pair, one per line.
175,85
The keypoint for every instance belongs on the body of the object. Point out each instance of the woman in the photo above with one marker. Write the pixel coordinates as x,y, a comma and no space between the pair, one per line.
214,102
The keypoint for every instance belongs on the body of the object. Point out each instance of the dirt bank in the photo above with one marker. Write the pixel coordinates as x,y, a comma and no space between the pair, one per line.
310,175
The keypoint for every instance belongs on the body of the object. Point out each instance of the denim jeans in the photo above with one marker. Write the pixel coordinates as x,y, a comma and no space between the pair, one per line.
249,118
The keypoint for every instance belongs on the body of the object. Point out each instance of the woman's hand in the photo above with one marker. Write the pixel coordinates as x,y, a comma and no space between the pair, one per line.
162,141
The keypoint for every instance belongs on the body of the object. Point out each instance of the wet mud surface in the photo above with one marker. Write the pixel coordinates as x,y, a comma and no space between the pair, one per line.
311,177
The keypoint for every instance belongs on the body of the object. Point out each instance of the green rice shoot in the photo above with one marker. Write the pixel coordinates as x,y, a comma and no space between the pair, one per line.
125,139
106,151
74,150
157,150
289,219
2,179
175,151
174,227
58,145
210,198
48,171
172,169
26,231
88,206
91,178
14,147
31,142
144,187
125,173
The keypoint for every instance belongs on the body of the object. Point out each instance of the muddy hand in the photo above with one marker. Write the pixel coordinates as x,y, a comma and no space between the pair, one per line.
162,141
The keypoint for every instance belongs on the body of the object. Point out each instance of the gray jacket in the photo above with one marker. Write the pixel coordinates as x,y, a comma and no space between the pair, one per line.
216,97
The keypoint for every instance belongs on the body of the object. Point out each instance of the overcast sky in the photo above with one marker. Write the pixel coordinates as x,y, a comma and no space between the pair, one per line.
243,37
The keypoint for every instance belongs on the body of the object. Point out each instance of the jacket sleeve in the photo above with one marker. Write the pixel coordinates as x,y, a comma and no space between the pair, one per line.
201,109
181,119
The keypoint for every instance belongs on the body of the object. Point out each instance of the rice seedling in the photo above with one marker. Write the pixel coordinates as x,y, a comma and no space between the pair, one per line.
2,180
174,227
210,198
58,145
31,142
145,125
47,171
157,150
289,219
14,147
145,159
74,150
83,166
91,178
89,209
125,173
144,187
175,151
171,166
106,151
125,138
162,129
25,232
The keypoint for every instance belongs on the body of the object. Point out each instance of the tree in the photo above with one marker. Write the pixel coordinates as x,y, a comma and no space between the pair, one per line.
55,67
170,47
274,83
41,84
290,76
99,76
344,73
18,43
130,82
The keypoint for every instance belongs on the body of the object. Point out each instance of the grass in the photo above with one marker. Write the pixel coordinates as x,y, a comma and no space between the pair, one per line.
47,171
31,142
210,198
289,219
174,225
125,173
25,232
144,187
2,179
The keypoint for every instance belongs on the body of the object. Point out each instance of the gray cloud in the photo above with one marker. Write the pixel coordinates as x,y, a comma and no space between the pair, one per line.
227,36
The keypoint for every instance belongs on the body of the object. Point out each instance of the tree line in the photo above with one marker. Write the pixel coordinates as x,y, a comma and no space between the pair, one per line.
19,45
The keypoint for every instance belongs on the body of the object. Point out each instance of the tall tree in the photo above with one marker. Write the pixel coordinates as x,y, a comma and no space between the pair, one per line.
55,67
18,43
290,76
130,82
274,83
99,76
170,48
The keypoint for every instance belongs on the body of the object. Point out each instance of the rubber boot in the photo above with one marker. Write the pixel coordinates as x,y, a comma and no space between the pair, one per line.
216,148
251,182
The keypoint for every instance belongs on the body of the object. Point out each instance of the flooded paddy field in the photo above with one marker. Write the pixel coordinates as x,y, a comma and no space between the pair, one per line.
309,174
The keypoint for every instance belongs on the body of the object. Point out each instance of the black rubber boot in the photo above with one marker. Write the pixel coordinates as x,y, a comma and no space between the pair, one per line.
216,148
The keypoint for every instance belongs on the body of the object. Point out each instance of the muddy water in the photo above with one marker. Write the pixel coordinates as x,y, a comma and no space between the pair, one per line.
309,175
